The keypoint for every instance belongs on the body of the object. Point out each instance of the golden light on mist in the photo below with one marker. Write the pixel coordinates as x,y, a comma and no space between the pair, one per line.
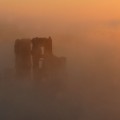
73,10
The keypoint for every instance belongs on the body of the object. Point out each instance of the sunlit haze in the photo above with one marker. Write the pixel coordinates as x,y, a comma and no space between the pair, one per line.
87,33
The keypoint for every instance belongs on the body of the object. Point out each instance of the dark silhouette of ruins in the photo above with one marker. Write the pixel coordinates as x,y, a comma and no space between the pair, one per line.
35,59
41,51
23,57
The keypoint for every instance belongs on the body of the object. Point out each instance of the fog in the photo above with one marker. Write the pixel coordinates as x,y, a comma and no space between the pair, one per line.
92,89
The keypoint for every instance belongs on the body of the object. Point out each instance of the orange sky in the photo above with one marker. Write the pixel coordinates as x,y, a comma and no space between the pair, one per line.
72,10
51,17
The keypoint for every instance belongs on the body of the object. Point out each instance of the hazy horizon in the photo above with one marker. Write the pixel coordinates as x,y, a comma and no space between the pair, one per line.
87,33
